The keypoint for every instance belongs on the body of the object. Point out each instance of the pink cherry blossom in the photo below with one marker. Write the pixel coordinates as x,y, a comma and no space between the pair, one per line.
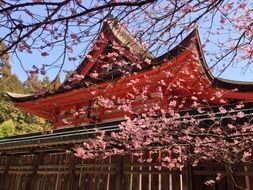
210,182
240,114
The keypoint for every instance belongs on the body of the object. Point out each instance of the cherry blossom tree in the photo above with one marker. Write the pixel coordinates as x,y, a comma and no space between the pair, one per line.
67,28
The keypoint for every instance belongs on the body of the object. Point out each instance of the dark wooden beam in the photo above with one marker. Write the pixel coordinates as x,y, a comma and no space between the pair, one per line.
31,185
6,170
72,174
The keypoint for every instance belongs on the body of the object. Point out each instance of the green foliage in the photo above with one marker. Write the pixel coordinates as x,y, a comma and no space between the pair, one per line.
34,85
24,122
12,120
5,67
7,128
11,84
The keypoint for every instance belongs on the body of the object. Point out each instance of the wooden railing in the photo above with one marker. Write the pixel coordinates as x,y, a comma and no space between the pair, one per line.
60,171
64,171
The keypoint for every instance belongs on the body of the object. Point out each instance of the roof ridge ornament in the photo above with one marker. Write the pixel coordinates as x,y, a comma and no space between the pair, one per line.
111,19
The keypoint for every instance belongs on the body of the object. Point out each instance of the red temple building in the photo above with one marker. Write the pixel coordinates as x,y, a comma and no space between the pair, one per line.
39,161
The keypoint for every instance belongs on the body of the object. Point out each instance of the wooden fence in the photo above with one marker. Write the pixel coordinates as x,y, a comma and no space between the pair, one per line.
64,171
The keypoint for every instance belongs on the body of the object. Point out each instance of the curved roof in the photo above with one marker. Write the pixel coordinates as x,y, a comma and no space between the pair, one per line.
17,96
193,37
125,38
121,35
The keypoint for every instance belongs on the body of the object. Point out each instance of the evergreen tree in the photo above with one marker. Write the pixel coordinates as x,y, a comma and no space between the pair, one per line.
34,85
12,120
5,67
56,83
